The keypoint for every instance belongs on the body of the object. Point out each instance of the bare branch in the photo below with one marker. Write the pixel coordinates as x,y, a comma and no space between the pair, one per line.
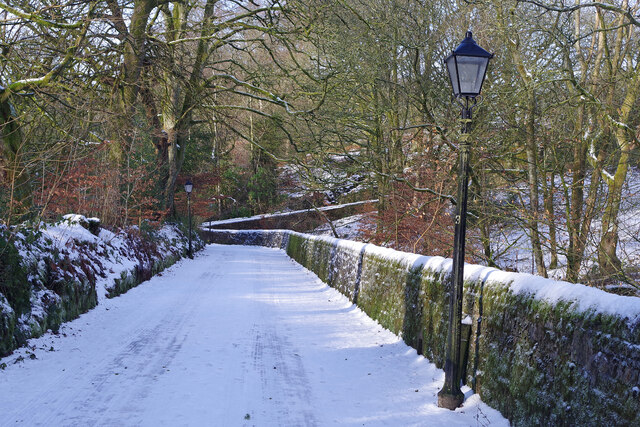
606,6
35,17
32,83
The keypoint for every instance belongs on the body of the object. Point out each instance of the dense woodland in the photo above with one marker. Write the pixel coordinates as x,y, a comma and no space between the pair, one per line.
107,107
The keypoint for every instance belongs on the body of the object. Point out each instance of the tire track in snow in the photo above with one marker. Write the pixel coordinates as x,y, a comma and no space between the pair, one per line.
139,365
282,375
283,378
162,344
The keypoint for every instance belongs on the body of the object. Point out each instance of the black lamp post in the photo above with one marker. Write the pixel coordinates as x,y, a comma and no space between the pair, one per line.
467,67
188,188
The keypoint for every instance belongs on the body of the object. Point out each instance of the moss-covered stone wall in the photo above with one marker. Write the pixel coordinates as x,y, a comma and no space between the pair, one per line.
561,366
346,268
540,361
271,238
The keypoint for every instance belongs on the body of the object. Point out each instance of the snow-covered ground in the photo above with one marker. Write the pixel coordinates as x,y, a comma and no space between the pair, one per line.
350,228
238,336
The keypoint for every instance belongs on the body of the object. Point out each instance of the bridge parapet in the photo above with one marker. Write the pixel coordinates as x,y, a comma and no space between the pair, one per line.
543,352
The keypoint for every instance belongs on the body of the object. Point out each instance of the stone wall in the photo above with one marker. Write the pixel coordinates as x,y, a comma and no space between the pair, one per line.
541,352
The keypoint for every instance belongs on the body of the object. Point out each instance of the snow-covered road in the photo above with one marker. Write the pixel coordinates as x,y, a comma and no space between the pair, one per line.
237,336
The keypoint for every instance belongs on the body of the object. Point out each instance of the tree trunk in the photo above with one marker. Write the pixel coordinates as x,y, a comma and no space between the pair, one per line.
532,173
14,172
549,211
134,52
513,44
174,162
610,264
576,239
179,105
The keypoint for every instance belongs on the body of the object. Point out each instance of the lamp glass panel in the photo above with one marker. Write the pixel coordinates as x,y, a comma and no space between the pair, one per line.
453,74
471,70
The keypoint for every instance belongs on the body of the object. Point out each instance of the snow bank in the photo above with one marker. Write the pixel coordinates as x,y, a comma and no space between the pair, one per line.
58,271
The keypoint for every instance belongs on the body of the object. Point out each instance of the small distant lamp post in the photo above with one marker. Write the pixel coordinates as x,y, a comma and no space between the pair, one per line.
188,188
467,67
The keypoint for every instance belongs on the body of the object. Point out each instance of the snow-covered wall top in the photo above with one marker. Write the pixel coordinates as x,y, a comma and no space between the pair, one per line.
581,297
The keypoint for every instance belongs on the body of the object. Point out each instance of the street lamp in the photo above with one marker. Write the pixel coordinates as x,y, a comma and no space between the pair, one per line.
188,188
467,67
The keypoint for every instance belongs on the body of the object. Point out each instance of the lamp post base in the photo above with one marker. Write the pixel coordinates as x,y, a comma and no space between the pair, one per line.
450,400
